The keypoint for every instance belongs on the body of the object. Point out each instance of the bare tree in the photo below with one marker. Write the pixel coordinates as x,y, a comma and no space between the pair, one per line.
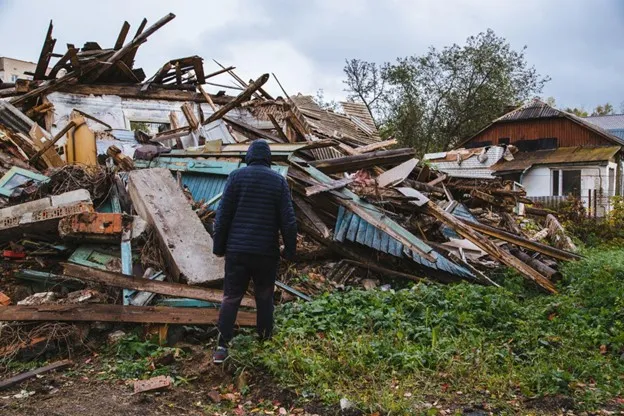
365,82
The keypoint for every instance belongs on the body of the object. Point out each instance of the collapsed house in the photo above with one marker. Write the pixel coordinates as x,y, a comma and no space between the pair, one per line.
550,153
112,179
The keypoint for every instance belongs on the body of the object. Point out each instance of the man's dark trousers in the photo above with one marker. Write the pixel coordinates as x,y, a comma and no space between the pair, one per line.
239,269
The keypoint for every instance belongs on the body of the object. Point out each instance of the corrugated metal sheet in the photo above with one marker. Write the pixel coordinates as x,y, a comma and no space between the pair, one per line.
562,155
459,211
532,110
204,186
609,122
351,227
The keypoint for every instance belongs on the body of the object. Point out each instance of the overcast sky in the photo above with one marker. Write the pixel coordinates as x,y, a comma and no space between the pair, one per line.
305,43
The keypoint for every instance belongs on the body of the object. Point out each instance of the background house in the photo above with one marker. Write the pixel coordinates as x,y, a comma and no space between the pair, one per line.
613,123
555,154
13,69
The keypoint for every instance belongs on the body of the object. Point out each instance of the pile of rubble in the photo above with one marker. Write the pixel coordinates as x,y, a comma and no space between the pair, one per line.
108,198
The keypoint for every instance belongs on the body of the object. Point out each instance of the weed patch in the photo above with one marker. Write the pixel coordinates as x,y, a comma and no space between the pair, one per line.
397,351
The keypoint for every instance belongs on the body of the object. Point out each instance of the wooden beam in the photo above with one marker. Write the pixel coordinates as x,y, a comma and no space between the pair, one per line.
14,381
250,129
219,72
241,98
104,67
357,162
323,187
312,216
48,144
465,230
125,28
119,313
207,97
279,129
523,242
134,91
46,54
179,290
375,146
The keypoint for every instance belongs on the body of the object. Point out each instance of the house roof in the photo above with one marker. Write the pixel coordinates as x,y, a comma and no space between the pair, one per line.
613,123
608,122
562,155
537,109
340,126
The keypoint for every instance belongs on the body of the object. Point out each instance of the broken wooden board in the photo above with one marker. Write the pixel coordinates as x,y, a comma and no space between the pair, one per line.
152,384
418,198
366,160
118,313
4,300
13,381
322,187
146,285
397,174
187,246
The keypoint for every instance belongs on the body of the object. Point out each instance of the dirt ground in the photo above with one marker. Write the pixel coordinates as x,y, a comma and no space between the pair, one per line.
80,391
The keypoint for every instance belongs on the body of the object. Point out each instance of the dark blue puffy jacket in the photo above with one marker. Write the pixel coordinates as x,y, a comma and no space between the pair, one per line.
256,205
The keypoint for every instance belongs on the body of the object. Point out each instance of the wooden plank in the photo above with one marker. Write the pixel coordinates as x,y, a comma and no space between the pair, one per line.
523,242
278,128
250,129
118,313
89,274
241,98
397,174
438,180
158,199
375,146
465,230
367,160
323,187
140,38
134,91
308,211
121,38
46,54
207,97
46,150
13,381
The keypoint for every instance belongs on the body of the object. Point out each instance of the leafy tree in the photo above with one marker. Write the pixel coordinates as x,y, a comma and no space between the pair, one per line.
603,110
580,111
435,100
365,82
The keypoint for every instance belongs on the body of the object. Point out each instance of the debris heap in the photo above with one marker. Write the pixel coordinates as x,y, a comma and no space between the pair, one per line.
106,217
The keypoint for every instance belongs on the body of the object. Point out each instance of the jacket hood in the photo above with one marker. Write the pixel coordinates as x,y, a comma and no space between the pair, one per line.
259,153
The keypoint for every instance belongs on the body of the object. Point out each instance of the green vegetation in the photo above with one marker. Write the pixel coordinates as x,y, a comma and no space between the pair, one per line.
132,357
395,351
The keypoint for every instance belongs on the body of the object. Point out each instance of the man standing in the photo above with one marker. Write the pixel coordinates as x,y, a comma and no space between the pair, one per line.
255,207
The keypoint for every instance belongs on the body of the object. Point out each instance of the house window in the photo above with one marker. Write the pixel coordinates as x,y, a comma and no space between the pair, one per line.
14,78
149,127
571,182
555,182
503,140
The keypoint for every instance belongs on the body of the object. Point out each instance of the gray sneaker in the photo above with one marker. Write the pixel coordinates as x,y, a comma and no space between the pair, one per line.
220,354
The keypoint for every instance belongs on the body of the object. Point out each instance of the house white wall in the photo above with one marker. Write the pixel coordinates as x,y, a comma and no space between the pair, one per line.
538,183
119,112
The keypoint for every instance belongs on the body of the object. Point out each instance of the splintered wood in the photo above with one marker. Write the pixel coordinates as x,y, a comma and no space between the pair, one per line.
159,200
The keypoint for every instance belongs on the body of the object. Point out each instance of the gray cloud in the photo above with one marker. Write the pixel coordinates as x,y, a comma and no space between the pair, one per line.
306,43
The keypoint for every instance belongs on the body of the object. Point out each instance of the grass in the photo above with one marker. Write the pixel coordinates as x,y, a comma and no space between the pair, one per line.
401,351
